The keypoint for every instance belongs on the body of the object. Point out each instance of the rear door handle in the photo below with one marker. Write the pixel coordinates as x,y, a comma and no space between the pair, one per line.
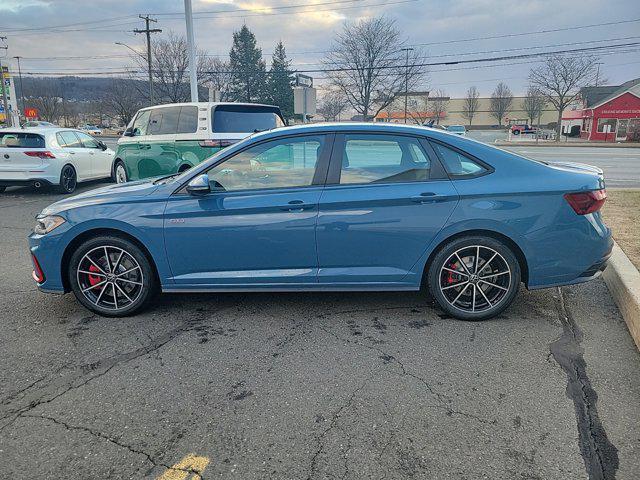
429,197
296,206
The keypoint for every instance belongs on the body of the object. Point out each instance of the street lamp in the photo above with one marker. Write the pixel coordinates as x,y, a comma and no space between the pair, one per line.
406,79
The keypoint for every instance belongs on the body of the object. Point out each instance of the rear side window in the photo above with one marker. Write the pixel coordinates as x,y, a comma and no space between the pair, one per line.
370,158
188,121
68,140
457,164
21,140
243,119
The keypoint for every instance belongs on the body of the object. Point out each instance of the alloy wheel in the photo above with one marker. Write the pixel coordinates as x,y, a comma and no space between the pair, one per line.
475,278
68,179
121,173
110,277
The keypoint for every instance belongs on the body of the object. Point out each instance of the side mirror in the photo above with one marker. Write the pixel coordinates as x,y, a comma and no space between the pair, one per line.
128,132
102,145
199,185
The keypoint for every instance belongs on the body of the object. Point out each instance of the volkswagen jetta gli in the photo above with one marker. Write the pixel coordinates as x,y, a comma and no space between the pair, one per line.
332,207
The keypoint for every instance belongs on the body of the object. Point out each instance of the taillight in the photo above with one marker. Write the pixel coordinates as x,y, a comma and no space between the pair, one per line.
40,154
215,143
586,202
37,273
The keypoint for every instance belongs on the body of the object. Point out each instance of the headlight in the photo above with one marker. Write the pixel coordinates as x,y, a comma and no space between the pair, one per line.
47,223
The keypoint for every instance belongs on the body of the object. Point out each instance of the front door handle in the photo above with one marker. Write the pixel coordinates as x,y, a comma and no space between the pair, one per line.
296,206
429,197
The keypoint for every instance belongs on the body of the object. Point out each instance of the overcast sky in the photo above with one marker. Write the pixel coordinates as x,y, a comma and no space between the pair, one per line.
41,29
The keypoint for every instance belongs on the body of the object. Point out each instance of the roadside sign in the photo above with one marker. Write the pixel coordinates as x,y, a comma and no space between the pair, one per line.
31,112
304,80
304,101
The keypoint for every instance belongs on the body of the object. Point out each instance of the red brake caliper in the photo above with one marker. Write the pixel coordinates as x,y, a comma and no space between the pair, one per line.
450,278
93,280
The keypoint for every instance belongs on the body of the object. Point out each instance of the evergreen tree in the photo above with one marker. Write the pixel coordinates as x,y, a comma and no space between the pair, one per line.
280,80
248,83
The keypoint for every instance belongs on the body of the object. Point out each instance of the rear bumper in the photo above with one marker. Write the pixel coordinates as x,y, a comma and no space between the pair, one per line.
26,183
591,273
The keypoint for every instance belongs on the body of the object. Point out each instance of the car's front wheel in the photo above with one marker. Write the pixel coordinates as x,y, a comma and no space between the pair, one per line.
112,276
474,278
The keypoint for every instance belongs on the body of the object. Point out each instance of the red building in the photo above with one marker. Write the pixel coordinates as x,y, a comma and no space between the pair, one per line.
606,113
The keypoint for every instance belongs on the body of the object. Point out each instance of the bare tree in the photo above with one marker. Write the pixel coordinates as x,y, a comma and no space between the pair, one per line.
439,103
471,104
48,102
560,78
170,68
501,100
123,99
331,105
365,63
533,103
217,75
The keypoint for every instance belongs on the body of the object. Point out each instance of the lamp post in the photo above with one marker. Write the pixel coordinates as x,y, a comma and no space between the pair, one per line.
406,80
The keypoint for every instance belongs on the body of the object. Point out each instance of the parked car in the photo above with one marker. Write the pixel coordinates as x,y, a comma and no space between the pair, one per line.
38,123
51,156
91,129
332,207
172,138
522,129
457,130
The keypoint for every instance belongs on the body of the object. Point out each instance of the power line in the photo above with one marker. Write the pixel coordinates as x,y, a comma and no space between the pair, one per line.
180,15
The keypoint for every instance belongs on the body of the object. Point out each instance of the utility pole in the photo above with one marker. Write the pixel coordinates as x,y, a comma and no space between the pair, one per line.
598,72
406,80
21,89
148,31
191,50
5,102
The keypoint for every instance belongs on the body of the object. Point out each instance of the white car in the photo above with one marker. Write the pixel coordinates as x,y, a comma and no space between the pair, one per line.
457,130
91,129
51,156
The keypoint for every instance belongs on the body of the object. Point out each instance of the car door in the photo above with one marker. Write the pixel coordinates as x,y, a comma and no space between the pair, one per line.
157,152
128,145
257,226
100,160
78,155
387,196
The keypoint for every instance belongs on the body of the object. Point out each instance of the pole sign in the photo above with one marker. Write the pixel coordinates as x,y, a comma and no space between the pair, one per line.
31,112
304,80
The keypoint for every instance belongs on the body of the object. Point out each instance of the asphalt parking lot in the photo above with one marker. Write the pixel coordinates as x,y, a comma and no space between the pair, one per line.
310,386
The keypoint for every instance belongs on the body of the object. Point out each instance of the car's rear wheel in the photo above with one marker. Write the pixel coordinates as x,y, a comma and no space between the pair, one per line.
474,278
516,132
68,179
119,172
112,276
2,189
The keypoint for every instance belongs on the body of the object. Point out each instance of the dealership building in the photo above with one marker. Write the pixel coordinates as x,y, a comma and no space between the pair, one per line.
605,113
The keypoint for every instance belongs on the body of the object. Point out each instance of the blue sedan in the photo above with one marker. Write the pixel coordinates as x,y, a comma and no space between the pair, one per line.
332,207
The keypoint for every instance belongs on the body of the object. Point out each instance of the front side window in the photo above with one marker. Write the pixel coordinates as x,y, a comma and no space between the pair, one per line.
456,163
68,139
188,121
369,158
141,123
288,162
87,141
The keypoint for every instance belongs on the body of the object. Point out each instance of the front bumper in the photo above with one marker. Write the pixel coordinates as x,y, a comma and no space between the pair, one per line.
48,251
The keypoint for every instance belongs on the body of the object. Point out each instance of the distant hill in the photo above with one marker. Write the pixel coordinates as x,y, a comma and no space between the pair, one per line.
72,88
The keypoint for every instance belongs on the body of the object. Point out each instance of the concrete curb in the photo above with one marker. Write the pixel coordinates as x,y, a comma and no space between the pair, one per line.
623,280
504,143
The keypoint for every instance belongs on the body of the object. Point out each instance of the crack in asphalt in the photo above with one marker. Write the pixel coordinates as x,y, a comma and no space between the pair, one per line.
78,376
443,400
599,454
116,442
332,425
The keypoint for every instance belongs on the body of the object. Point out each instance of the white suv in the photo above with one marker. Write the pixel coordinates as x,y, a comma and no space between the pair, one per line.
51,156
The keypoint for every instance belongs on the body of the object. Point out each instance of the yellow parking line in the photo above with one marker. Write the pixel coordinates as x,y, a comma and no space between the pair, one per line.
191,465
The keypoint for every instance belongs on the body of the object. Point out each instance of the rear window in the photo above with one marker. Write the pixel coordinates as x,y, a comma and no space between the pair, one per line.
244,119
20,140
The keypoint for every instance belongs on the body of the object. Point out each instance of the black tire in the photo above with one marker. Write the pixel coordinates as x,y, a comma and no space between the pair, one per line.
2,189
184,168
486,287
516,132
119,284
68,179
119,164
